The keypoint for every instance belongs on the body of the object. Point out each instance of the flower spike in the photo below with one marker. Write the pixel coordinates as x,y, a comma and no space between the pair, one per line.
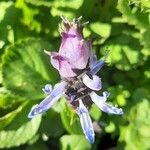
77,66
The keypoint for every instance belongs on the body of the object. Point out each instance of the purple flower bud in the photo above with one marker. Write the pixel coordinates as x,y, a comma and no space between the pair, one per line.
73,45
74,51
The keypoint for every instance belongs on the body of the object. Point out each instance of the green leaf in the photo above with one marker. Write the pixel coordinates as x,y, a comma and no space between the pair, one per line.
98,10
70,119
38,145
26,68
110,128
60,8
6,119
95,112
7,99
123,56
133,16
51,124
103,29
140,94
145,41
75,142
45,3
125,51
20,130
143,4
138,128
1,76
8,20
140,19
29,14
8,13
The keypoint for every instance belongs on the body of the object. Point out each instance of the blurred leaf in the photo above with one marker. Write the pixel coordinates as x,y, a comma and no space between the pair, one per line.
51,124
8,20
133,16
98,10
138,128
75,142
37,146
140,94
45,3
26,68
103,29
121,100
9,14
60,8
124,51
95,112
119,94
140,19
1,76
34,139
143,4
147,74
29,15
145,41
20,130
7,98
110,128
5,120
70,120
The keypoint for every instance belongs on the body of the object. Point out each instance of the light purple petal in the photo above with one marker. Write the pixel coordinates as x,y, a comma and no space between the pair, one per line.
94,84
77,51
49,100
73,45
62,64
47,89
100,102
64,67
100,98
86,122
97,66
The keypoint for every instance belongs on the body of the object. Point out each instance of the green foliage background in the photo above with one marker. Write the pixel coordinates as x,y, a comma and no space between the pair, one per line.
27,27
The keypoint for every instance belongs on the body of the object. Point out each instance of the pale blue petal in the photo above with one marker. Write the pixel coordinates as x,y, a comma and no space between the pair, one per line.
93,60
47,89
100,101
99,98
86,122
94,83
96,66
49,100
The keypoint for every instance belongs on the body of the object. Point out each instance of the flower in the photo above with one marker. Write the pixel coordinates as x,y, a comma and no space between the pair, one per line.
77,66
